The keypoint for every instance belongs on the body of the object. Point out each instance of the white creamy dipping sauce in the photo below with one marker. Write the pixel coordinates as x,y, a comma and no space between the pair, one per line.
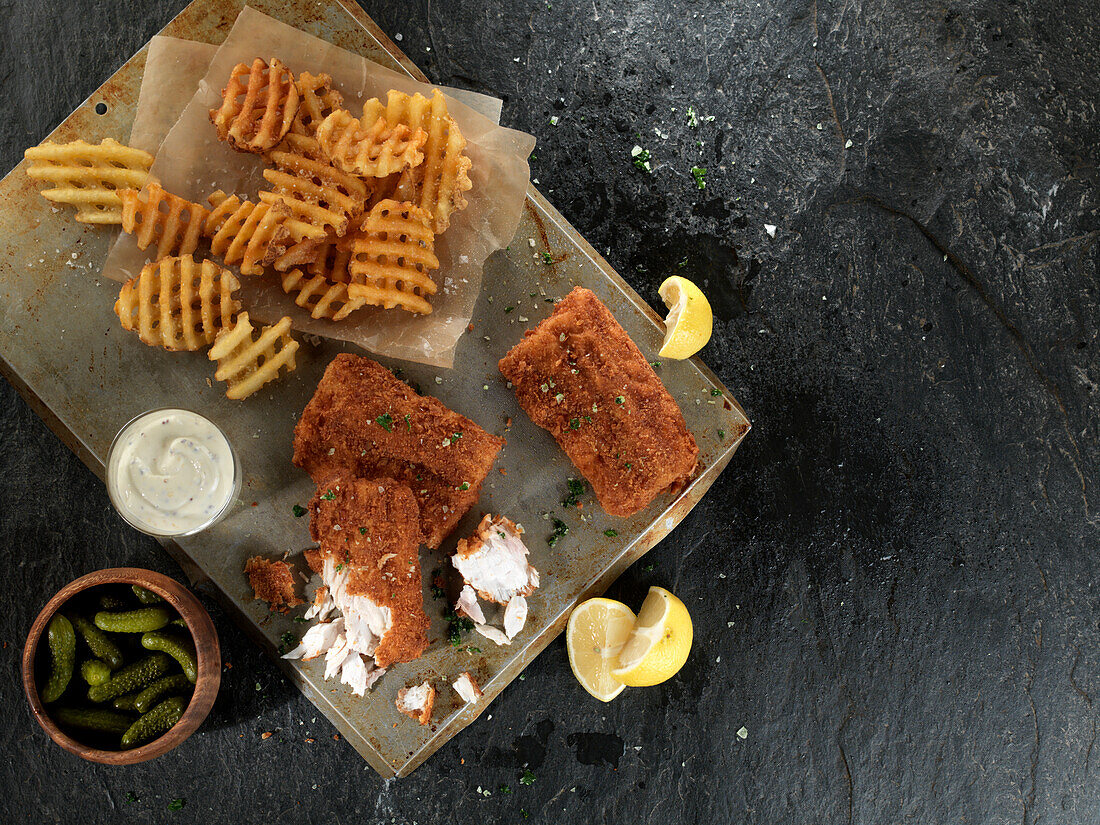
171,472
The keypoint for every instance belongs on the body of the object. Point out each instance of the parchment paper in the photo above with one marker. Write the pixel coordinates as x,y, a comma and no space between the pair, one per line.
191,162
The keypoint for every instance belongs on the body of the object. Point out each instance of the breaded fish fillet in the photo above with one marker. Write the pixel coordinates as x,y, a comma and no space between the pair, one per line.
369,536
364,420
580,376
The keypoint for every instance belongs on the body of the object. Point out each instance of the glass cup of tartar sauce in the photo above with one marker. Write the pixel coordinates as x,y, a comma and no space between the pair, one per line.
172,472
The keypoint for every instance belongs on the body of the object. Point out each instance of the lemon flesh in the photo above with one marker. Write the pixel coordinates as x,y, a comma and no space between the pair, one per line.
659,643
690,320
597,631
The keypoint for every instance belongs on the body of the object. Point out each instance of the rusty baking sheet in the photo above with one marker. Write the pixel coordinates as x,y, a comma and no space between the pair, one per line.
62,348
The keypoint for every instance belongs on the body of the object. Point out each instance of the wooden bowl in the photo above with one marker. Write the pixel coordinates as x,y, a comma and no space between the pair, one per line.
207,650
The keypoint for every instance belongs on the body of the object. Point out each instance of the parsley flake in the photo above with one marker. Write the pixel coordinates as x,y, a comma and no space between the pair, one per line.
546,258
131,797
619,399
560,529
464,486
362,531
722,434
611,533
715,391
577,489
699,173
527,778
328,496
175,804
298,511
641,158
385,422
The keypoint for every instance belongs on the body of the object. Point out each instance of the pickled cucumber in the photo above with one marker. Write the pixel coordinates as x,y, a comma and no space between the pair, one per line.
155,722
179,648
148,698
127,701
62,644
96,719
131,678
98,642
142,620
107,602
145,596
94,671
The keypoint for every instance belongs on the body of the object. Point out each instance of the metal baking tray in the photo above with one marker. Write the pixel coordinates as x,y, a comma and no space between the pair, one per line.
62,348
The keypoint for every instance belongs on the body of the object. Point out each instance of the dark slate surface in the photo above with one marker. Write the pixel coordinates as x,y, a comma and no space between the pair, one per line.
892,586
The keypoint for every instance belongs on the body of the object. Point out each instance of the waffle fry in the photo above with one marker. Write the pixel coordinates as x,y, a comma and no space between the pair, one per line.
245,233
437,184
89,176
372,147
392,258
178,304
318,196
322,297
316,101
259,121
245,364
151,214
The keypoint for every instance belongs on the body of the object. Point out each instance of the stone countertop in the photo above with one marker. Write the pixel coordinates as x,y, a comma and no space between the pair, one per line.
892,585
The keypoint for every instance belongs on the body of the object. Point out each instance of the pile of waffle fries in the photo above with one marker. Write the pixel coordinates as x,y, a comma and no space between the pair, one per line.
348,218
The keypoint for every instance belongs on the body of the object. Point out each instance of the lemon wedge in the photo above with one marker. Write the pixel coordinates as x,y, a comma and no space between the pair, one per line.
659,643
690,320
597,631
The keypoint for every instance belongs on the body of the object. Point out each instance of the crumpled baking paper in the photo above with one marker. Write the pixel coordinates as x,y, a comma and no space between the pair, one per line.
191,162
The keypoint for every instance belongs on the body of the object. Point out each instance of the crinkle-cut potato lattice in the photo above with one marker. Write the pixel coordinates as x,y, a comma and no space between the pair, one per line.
316,101
245,364
258,105
392,258
322,297
178,304
152,214
436,185
245,233
372,147
318,196
89,176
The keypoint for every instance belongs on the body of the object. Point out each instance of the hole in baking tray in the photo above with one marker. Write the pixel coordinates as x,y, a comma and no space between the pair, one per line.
101,108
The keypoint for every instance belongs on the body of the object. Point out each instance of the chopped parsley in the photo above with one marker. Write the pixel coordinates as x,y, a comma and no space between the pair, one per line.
629,466
408,426
577,489
655,364
472,649
641,158
176,804
301,619
683,263
385,422
508,309
547,258
693,119
437,585
456,436
456,626
649,568
504,789
721,434
715,391
298,511
699,173
287,642
574,423
339,567
611,533
619,399
464,486
328,496
527,778
131,797
362,531
560,529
